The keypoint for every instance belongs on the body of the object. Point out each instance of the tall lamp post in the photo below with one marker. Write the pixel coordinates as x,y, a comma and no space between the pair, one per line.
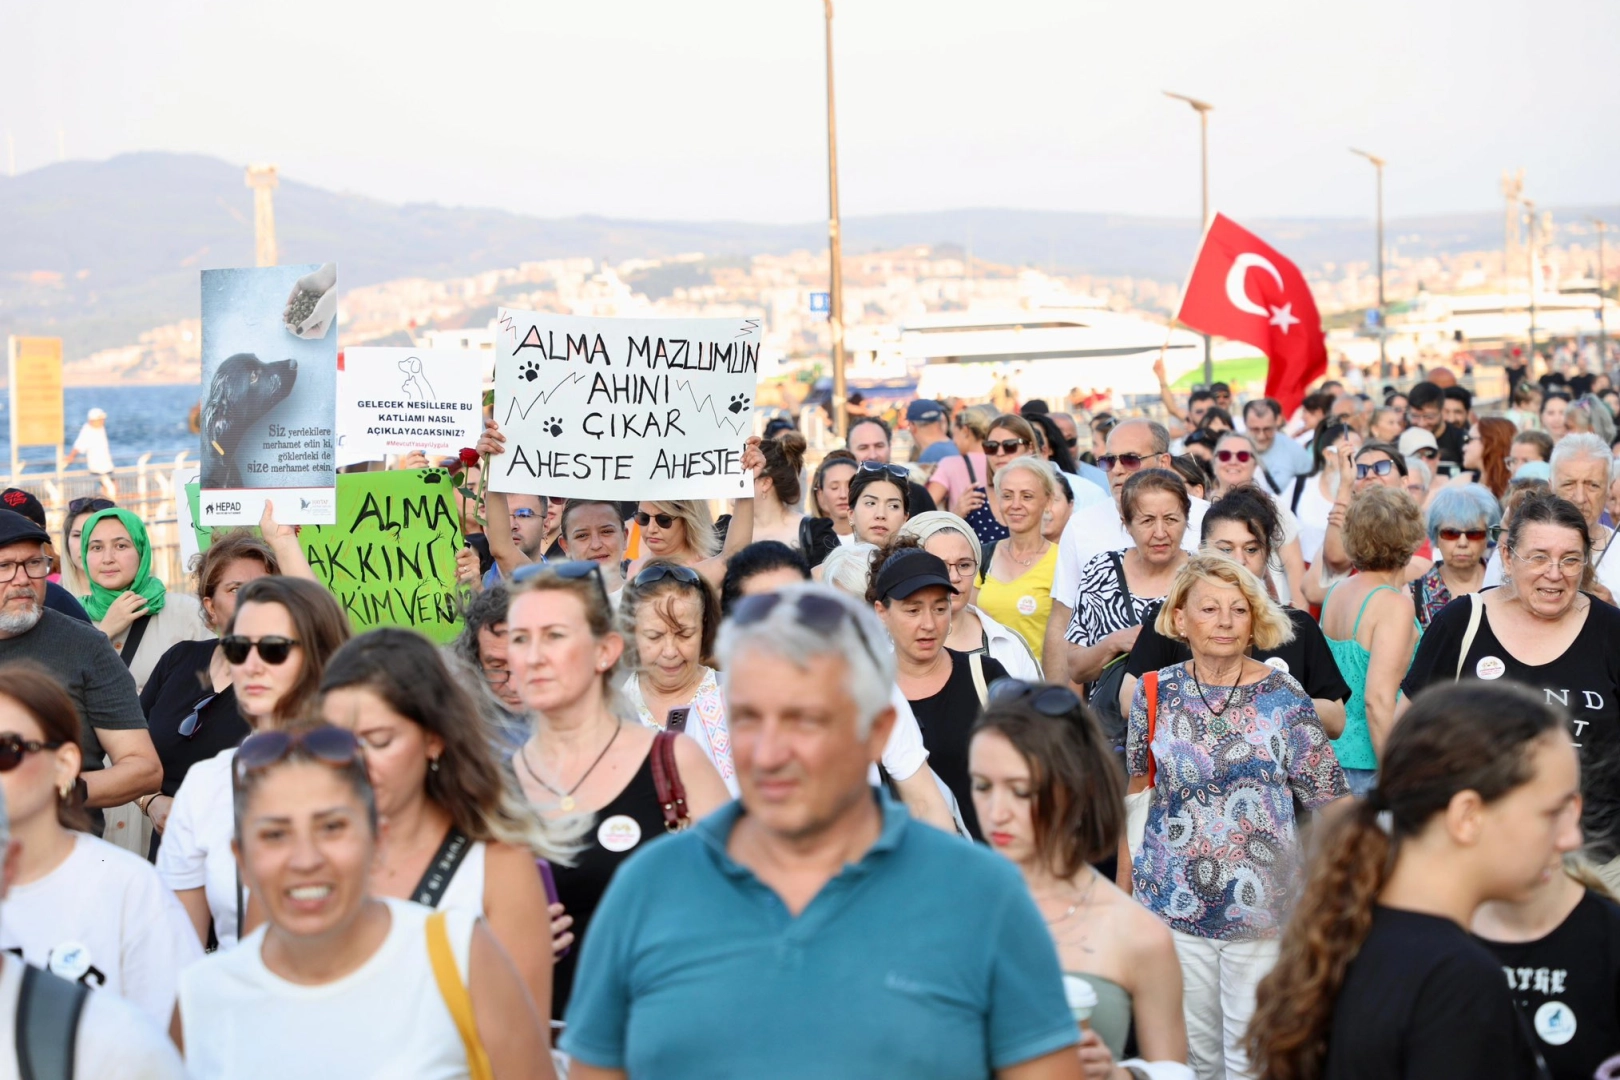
1603,322
1530,267
1383,331
1202,108
835,251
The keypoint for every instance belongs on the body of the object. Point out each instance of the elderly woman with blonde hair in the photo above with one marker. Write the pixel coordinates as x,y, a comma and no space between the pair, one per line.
1226,745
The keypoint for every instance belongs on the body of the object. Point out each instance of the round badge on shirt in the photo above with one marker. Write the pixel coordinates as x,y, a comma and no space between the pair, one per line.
70,960
1490,667
619,833
1027,605
1278,663
1555,1023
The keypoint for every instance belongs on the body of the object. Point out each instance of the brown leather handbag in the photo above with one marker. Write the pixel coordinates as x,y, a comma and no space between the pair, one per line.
667,781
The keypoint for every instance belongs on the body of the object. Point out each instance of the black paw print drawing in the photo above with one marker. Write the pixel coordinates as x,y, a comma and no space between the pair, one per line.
552,427
530,371
434,476
739,402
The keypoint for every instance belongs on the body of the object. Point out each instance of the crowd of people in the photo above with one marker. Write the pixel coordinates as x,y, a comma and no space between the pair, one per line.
1246,744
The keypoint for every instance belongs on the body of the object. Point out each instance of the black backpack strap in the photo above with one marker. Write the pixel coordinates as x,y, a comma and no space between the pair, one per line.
446,861
48,1011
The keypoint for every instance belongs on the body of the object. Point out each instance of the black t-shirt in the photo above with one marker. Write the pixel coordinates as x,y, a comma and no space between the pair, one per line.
1585,680
1581,385
1567,986
177,684
1307,658
1450,442
946,719
1424,1001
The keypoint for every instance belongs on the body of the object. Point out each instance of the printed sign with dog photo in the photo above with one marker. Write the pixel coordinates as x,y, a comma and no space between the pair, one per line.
604,408
269,375
393,401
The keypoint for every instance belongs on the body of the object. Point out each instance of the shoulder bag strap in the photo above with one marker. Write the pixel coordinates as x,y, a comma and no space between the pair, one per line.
1476,608
989,552
439,873
455,995
137,630
1299,489
1118,558
48,1010
667,781
1150,679
976,667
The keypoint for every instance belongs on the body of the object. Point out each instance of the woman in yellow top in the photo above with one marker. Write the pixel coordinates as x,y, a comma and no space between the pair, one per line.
1016,586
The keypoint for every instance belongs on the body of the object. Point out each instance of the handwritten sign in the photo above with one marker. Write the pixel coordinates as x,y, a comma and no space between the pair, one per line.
624,408
393,401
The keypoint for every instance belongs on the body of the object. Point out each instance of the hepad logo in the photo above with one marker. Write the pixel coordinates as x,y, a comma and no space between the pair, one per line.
223,508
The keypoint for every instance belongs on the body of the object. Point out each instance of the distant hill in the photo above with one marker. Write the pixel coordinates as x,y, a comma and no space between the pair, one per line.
97,252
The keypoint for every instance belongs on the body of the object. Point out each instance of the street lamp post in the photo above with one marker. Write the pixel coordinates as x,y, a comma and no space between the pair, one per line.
1530,267
1383,331
1603,323
835,251
1202,108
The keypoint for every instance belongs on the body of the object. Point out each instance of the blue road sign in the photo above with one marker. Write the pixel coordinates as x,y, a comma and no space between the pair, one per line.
820,301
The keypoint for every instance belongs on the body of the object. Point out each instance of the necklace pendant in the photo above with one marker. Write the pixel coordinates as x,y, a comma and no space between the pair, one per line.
566,804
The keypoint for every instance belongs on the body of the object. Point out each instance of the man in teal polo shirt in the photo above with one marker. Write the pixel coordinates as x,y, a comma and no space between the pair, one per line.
813,929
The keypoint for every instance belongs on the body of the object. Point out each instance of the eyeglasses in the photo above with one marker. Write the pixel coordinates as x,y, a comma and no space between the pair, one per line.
1130,462
36,568
524,513
813,611
1373,468
1451,536
193,720
899,472
1057,702
1005,446
664,520
1227,455
1538,561
326,744
273,648
684,574
1427,453
13,748
573,570
497,676
961,570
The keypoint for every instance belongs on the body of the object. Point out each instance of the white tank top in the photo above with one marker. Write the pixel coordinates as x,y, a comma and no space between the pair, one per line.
466,889
386,1019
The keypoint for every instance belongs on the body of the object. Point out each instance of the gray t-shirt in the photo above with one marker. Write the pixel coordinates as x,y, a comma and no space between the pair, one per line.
84,662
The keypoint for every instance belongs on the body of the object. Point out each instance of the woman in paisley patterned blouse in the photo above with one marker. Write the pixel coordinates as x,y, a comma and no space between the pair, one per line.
1227,745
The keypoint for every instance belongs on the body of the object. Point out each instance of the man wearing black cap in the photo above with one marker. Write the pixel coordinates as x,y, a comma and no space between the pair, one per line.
82,659
57,598
931,431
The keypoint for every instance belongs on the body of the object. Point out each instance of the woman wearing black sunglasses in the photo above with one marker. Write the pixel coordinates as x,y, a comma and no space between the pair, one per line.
78,905
276,646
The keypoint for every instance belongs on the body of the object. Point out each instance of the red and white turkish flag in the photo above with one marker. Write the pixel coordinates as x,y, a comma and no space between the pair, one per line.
1241,288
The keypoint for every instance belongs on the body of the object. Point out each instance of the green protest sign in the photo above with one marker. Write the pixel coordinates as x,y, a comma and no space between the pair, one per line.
391,558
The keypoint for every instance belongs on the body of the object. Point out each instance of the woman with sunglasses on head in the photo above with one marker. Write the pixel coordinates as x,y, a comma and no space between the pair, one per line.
672,617
588,756
1050,799
1373,465
276,645
879,502
76,905
1377,976
1460,523
972,629
460,834
78,512
339,981
1015,587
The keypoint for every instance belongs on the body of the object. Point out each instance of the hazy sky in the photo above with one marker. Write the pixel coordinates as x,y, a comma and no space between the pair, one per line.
704,109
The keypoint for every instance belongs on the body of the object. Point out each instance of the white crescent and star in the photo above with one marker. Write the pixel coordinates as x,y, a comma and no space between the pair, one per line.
1282,317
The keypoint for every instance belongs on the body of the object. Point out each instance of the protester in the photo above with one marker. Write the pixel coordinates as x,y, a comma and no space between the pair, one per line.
18,501
1553,410
80,658
1529,445
1539,629
972,629
1247,753
339,982
1311,498
1460,523
1284,458
1476,798
763,566
585,756
1010,437
869,440
1047,790
809,848
1374,465
92,443
1016,585
1581,467
1425,411
482,645
829,506
1388,421
1370,625
460,834
968,468
911,594
1070,431
594,529
1486,453
930,432
879,502
76,905
1236,465
276,645
71,555
1057,515
778,492
670,617
1195,473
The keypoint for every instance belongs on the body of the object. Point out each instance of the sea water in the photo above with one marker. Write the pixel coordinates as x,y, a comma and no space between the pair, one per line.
140,419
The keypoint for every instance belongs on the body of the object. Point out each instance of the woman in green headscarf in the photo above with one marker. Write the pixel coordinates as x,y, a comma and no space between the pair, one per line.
124,595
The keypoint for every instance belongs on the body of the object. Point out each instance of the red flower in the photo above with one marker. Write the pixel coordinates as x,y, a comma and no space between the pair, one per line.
469,456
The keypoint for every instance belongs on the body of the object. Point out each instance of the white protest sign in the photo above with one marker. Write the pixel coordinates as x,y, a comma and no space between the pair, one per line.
393,401
629,409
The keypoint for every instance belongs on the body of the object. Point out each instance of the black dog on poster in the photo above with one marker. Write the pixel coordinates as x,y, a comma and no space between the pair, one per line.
244,389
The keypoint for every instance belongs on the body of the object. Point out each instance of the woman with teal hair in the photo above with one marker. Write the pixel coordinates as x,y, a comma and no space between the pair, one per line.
134,609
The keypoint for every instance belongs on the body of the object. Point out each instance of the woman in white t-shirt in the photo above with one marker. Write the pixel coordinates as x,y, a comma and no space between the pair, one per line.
78,906
460,834
276,646
338,982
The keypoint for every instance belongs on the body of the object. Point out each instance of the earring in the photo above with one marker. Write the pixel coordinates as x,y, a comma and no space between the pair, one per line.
66,790
433,764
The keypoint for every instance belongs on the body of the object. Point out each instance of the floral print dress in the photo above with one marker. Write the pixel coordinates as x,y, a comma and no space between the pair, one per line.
1218,855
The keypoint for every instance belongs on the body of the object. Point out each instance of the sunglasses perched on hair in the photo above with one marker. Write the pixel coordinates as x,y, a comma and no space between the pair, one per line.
1130,462
664,520
1005,446
1365,469
273,648
813,611
574,570
1227,455
329,745
1198,438
13,748
899,472
1057,702
89,504
684,574
1451,536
